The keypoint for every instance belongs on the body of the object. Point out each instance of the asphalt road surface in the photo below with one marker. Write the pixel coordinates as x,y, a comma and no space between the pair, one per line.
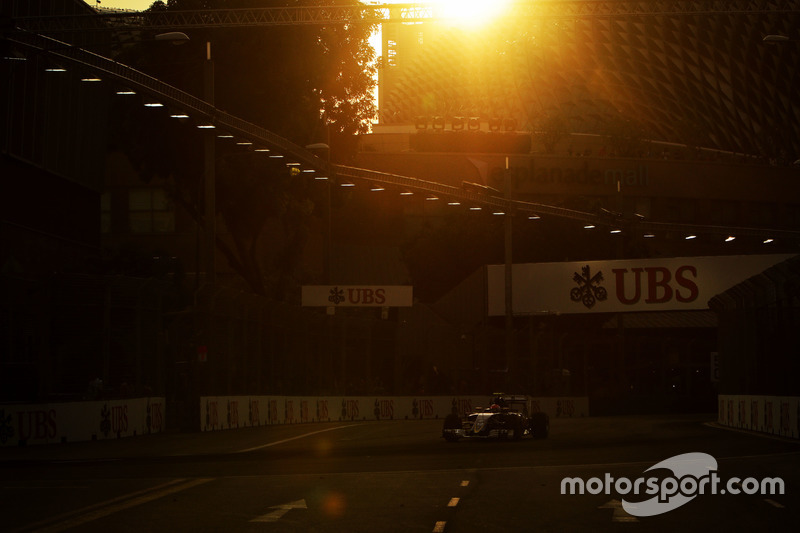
398,476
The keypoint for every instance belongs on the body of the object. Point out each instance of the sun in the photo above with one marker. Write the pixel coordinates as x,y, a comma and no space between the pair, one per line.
468,12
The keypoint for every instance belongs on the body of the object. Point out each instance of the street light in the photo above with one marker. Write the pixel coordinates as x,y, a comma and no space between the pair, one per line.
323,150
174,37
775,39
209,174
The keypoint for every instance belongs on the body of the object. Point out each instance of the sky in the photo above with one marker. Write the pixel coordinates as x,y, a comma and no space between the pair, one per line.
137,5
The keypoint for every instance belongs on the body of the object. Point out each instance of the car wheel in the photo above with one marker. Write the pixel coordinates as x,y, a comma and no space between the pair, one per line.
519,428
540,425
451,421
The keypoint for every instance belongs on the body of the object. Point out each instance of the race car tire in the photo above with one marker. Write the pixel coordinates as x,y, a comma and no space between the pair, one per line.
540,425
519,428
451,421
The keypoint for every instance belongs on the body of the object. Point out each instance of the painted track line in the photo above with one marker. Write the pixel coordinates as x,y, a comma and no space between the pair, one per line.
304,435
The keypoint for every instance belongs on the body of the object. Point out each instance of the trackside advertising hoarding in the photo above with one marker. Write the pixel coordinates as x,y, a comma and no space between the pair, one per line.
775,415
667,284
232,412
51,423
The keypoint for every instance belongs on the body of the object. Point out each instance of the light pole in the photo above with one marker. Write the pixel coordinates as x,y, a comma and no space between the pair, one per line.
324,150
509,263
209,175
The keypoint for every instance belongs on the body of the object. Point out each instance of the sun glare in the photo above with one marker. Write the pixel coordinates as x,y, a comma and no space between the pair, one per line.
468,12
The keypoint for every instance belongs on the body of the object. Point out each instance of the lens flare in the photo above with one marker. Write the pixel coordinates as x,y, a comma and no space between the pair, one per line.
333,505
469,12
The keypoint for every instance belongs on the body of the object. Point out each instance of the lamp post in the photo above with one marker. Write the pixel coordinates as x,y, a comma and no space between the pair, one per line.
509,263
324,150
209,175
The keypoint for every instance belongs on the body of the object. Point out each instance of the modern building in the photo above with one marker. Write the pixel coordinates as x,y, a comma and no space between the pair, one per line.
647,113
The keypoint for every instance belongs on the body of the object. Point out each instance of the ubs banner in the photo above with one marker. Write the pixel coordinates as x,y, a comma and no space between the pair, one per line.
670,284
358,296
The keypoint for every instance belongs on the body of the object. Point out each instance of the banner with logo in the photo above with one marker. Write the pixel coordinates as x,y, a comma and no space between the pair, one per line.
669,284
776,415
358,296
233,412
51,423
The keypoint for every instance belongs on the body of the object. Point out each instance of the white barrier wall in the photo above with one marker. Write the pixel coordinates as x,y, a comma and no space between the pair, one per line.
231,412
776,415
80,421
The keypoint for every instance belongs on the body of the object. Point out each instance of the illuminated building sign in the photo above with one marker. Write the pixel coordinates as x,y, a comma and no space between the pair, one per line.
670,284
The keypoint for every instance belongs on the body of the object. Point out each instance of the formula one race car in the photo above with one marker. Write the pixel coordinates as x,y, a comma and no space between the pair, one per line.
507,417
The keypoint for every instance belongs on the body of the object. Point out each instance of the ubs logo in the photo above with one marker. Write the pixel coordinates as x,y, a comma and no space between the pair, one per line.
336,296
588,291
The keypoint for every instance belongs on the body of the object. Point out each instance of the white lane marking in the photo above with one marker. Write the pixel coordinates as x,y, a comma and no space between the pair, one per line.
465,483
453,502
95,512
439,527
304,435
774,503
280,510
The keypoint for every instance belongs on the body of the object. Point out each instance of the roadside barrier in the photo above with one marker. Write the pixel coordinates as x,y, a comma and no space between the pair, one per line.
50,423
231,412
775,415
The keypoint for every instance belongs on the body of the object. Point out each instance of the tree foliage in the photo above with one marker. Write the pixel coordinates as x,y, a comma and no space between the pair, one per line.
305,83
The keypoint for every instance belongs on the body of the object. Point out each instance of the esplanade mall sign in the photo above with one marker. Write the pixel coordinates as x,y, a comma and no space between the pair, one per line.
556,175
666,284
